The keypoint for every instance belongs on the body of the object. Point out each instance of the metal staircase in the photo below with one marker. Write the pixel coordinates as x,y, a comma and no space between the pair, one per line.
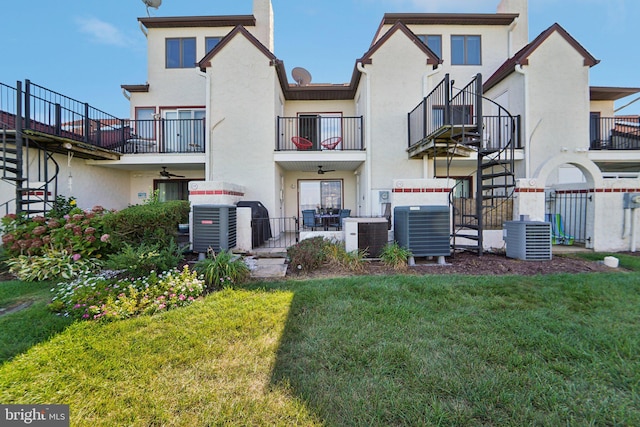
24,163
455,127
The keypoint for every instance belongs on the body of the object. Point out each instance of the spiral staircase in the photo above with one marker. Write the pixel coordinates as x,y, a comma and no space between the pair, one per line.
449,124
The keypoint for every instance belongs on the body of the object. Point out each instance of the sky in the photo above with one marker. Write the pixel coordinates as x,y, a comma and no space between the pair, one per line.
86,49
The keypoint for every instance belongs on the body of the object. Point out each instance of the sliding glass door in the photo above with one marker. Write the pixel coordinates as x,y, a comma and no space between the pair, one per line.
319,194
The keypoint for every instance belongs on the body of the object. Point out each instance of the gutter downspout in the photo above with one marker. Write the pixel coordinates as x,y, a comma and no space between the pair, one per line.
367,138
208,170
527,160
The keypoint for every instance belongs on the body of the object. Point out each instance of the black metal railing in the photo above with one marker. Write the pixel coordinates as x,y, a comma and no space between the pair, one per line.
164,136
283,232
51,113
325,133
567,212
614,133
431,113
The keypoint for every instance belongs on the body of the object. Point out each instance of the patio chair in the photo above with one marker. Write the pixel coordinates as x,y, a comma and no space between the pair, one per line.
342,213
309,219
301,143
331,143
558,234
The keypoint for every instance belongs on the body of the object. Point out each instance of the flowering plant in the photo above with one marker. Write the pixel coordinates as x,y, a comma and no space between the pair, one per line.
78,232
105,297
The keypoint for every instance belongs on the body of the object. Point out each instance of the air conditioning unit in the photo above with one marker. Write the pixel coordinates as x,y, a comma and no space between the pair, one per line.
528,240
366,234
214,226
424,230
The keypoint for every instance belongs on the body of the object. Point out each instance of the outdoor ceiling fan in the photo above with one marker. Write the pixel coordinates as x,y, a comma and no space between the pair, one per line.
165,173
323,171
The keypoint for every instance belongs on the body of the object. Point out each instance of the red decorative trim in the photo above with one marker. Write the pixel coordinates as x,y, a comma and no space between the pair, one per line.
215,193
421,190
37,193
529,190
616,190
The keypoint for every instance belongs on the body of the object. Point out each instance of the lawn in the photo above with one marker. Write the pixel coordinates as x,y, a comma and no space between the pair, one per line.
402,350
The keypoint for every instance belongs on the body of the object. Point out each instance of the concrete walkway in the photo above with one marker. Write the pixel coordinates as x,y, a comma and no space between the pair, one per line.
267,268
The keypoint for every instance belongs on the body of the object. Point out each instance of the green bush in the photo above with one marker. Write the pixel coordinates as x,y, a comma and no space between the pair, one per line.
143,259
151,223
103,297
395,256
222,270
4,257
52,264
308,255
62,206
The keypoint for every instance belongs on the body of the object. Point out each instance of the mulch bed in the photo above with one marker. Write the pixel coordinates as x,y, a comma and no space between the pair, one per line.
471,264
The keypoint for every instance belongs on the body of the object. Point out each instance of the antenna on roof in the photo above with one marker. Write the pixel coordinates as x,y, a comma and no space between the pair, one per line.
301,76
152,3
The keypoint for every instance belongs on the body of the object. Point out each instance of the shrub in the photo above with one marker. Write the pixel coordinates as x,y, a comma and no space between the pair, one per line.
78,232
308,255
52,264
103,297
62,206
151,223
222,270
395,256
337,255
4,257
141,260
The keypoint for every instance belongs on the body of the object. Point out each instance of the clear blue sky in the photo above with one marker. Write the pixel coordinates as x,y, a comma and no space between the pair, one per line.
87,48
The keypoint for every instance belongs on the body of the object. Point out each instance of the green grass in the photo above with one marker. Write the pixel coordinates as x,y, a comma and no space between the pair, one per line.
20,330
629,262
371,351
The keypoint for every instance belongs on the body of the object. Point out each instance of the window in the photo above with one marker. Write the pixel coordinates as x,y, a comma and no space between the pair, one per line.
210,43
145,126
175,189
465,50
181,53
322,194
434,42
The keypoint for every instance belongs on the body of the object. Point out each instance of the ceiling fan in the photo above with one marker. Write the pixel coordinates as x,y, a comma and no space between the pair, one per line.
165,173
323,171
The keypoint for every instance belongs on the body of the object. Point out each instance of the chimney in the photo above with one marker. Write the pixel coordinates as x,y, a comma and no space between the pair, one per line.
519,35
263,12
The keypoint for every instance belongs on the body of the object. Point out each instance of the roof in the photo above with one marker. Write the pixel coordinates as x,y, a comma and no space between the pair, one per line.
522,56
314,92
603,93
136,88
199,21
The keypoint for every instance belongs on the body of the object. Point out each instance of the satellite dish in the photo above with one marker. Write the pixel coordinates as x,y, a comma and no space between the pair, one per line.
301,76
152,3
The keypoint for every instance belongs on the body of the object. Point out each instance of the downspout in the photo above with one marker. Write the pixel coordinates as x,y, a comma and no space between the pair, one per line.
527,158
208,173
367,138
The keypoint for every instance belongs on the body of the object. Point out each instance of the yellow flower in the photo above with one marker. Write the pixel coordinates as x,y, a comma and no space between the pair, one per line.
72,202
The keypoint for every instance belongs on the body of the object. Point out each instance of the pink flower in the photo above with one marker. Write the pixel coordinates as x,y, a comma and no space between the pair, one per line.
104,238
76,257
182,297
66,216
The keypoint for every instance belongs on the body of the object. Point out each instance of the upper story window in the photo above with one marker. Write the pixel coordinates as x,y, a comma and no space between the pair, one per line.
465,50
434,42
210,43
181,52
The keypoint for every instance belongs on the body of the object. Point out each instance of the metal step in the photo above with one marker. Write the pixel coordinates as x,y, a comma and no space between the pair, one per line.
496,175
9,169
468,226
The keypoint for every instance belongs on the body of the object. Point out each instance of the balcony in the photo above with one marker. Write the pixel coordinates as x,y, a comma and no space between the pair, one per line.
324,132
614,133
53,119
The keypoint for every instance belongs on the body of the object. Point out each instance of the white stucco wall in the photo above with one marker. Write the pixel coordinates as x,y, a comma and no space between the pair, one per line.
558,110
242,121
